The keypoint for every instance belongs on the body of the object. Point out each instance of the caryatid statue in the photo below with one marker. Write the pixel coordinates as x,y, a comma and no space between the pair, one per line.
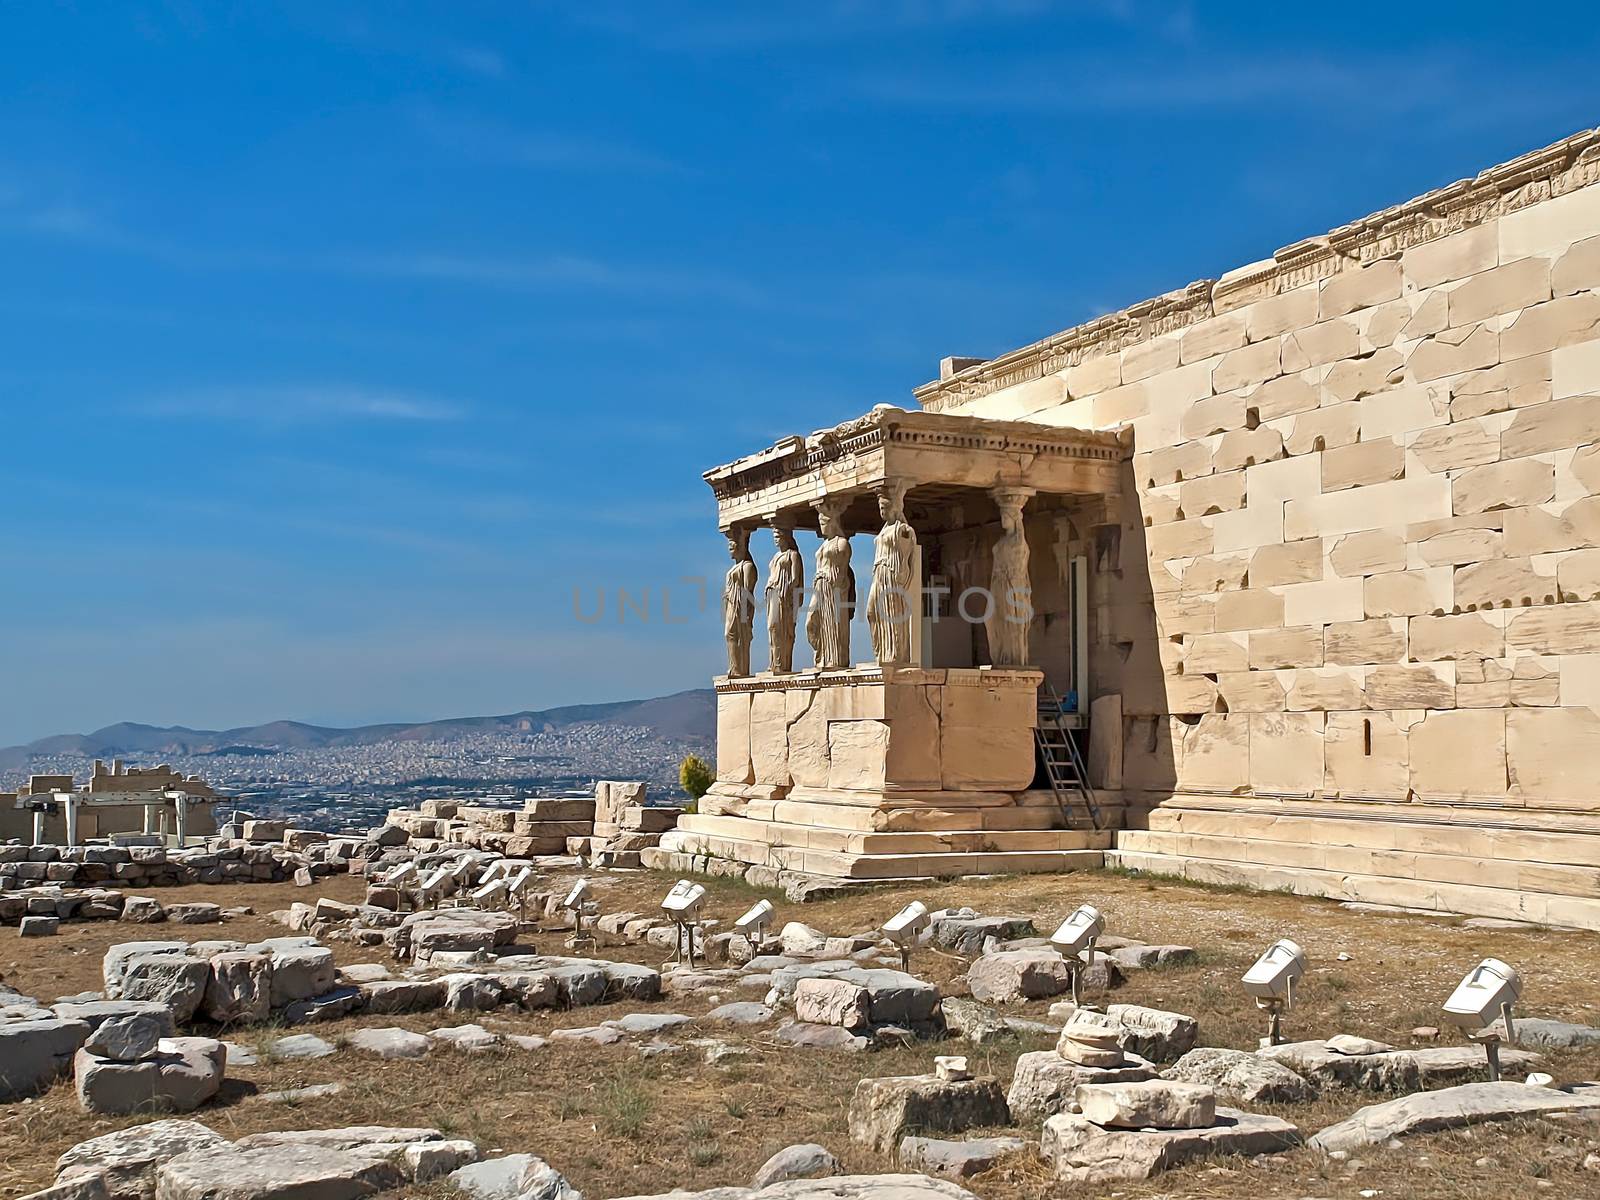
1011,593
833,589
786,577
894,583
739,602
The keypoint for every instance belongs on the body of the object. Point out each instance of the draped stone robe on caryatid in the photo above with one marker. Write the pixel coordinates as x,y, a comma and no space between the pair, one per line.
833,591
894,584
785,586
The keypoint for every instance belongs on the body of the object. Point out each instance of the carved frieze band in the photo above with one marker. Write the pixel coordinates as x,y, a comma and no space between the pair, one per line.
1536,176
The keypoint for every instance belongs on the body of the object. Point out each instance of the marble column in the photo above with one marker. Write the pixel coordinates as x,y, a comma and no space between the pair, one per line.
784,591
1011,593
739,601
833,588
895,586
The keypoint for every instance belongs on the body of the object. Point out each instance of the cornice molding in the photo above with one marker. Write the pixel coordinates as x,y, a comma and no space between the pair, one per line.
1539,175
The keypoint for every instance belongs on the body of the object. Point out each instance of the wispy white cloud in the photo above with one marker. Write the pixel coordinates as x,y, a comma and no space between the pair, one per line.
494,142
294,404
478,60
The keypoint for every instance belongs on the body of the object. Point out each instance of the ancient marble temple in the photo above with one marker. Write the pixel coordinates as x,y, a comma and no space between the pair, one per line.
1311,552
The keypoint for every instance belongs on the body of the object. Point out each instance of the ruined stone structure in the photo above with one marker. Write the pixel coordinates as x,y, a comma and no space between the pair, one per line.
1323,570
116,799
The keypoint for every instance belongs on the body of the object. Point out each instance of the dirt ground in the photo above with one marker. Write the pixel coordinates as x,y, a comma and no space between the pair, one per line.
619,1124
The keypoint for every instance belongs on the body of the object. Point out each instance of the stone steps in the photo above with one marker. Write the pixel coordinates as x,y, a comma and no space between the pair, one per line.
886,856
1283,867
845,841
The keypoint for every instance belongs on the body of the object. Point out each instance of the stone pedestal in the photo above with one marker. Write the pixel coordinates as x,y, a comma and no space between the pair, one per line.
882,772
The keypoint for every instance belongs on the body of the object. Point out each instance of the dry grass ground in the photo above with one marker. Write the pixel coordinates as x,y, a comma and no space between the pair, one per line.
620,1124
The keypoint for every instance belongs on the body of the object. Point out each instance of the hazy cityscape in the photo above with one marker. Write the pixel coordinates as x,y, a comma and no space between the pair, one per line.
351,786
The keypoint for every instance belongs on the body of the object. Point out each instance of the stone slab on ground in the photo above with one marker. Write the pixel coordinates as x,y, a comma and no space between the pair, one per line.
185,1073
1396,1070
389,1041
820,1037
1151,1033
805,1161
1044,1083
957,1159
35,1053
1014,976
837,1187
1082,1152
513,1177
127,1159
293,1171
1242,1076
1451,1108
883,1111
964,931
300,1045
1537,1033
741,1012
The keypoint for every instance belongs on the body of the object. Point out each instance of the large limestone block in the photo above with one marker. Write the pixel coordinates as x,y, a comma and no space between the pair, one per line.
1459,754
1371,552
1575,370
1251,691
1212,336
883,1111
1173,464
1452,1108
1213,494
1356,643
1216,752
1409,593
1459,546
1240,1077
1281,397
1083,1152
1241,448
1454,351
1288,562
1578,269
1558,425
1504,289
1504,583
1325,689
1453,447
176,980
1044,1083
769,739
1321,429
1141,1032
1578,575
1255,608
1360,287
1505,386
1427,497
733,738
1213,415
1467,635
126,1160
1282,313
1286,752
831,1002
1449,258
1320,344
858,753
35,1053
1324,602
1555,629
1156,1104
1551,754
183,1075
1178,539
986,760
1544,327
293,1171
1213,573
1247,367
1152,357
1411,685
1105,742
1296,646
806,715
1401,412
1015,976
1361,377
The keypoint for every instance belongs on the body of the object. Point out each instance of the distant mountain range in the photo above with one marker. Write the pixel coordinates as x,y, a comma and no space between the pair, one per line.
690,715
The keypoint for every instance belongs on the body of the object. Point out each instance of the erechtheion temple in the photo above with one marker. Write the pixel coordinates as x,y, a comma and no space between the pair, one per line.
1304,561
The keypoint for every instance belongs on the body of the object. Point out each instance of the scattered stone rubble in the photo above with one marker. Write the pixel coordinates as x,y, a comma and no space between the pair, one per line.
1378,1067
1045,1081
1136,1130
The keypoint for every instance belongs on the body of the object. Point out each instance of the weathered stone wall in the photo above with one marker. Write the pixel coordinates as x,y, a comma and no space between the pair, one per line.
1354,623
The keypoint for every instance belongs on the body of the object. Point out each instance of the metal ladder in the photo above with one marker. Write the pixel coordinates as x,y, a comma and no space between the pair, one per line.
1063,762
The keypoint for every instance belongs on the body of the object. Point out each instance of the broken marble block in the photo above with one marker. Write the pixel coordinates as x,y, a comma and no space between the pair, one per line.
1241,1076
883,1111
1080,1151
181,1075
1044,1083
956,1159
35,1053
1155,1104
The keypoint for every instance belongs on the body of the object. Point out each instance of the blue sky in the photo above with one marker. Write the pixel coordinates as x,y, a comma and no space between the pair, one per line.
340,343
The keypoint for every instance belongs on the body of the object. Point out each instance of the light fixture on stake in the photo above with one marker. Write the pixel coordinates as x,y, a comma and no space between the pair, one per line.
489,895
905,927
682,906
1074,937
754,924
517,890
580,906
1483,997
1270,982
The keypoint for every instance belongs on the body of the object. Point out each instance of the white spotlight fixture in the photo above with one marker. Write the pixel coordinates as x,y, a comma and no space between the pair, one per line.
1270,982
1483,997
754,923
490,895
517,890
682,907
1076,937
580,906
905,927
